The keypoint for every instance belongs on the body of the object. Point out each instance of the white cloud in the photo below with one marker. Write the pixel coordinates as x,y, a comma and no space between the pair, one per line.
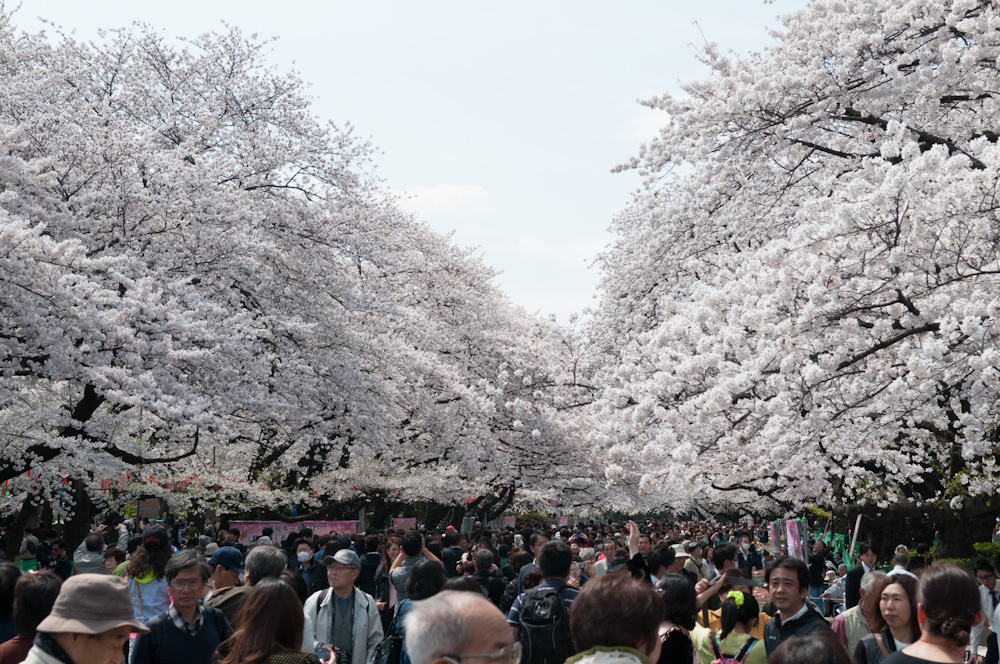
444,198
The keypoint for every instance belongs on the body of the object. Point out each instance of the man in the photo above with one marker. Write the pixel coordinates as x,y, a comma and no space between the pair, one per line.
453,550
644,544
817,570
493,586
554,559
227,565
342,618
59,562
89,556
453,625
187,632
305,564
659,560
89,623
900,562
694,563
536,540
851,588
413,551
29,545
989,598
370,563
787,582
746,559
852,625
261,563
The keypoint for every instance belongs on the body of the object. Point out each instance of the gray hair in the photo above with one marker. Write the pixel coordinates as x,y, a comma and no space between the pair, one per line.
263,562
435,628
869,579
484,560
186,559
587,554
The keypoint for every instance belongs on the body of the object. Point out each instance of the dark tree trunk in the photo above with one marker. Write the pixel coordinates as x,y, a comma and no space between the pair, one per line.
78,525
15,534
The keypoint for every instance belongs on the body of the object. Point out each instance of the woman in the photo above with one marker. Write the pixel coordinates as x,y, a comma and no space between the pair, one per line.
270,628
893,623
947,608
426,579
34,595
146,574
680,605
740,613
615,619
385,593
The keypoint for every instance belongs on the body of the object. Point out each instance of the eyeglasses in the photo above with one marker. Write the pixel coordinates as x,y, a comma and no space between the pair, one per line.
508,655
984,577
338,568
191,584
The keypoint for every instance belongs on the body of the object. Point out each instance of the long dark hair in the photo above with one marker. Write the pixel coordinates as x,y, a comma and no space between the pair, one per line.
389,541
271,618
144,560
679,599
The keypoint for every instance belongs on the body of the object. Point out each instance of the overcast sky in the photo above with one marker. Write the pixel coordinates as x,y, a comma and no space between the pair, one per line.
499,121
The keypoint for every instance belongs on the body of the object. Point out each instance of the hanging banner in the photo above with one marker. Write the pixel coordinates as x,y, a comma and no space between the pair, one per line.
564,521
509,521
776,531
794,539
854,538
406,523
251,530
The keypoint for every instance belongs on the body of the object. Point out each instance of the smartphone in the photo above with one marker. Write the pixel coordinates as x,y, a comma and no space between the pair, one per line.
322,653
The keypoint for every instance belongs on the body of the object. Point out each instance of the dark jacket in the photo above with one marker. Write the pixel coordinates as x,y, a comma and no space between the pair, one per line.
370,563
315,576
776,632
493,585
852,586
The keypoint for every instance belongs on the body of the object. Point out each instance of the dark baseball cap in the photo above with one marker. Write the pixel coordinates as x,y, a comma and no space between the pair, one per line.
229,557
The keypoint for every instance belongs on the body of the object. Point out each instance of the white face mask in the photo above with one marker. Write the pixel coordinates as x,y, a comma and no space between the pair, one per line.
304,556
745,546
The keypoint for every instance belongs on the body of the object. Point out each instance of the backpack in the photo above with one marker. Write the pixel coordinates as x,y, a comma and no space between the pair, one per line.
740,656
544,630
509,595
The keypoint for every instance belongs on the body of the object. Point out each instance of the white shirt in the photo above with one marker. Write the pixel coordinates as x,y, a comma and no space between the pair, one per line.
986,603
899,569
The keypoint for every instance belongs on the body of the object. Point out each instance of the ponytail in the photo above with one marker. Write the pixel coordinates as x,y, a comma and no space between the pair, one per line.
738,607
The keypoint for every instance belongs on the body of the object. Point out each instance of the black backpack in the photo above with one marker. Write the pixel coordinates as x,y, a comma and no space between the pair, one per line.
509,595
544,630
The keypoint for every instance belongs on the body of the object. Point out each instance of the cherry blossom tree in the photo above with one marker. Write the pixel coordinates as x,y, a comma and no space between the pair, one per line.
212,298
802,304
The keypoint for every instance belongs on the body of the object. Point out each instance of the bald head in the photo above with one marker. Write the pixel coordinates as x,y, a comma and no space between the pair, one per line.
454,623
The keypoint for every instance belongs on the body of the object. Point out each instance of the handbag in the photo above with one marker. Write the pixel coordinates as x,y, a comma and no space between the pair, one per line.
390,648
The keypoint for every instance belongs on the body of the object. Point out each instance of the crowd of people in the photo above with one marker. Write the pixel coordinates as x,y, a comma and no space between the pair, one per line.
613,593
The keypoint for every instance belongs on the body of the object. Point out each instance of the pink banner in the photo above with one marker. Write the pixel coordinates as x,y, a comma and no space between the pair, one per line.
564,521
409,523
509,521
250,530
794,540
